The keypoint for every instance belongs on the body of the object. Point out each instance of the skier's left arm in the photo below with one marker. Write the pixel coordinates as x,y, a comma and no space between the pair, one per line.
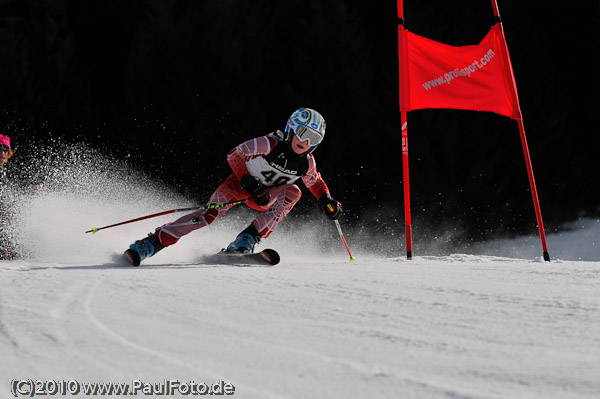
317,186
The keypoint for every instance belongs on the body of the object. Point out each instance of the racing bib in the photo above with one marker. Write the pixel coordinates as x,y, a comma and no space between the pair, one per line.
281,166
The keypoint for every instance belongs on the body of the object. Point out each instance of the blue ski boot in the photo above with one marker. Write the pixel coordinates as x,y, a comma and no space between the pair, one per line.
142,249
244,243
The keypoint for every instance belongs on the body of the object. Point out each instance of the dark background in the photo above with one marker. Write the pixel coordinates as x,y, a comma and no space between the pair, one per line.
172,86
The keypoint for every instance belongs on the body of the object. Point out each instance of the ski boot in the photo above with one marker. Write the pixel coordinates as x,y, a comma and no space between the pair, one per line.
142,249
244,243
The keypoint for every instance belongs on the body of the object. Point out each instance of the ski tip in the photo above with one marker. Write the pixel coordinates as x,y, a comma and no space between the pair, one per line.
132,257
271,256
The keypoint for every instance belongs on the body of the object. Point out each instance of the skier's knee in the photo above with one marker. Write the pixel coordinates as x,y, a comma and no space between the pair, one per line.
293,193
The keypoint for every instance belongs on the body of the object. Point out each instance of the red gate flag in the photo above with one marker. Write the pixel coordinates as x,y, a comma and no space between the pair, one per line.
477,77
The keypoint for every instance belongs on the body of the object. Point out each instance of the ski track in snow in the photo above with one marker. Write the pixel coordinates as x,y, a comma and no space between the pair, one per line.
463,326
460,326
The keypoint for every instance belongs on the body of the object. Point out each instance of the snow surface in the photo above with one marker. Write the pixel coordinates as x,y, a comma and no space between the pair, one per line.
500,323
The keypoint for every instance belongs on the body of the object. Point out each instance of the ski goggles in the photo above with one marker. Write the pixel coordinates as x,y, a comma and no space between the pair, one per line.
305,133
4,148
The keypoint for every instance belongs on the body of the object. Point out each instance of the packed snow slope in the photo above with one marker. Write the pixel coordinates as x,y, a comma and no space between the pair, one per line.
314,326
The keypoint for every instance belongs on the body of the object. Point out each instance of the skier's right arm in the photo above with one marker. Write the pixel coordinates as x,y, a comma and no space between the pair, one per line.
248,150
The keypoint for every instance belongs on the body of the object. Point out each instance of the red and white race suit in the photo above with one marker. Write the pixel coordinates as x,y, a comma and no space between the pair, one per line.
273,162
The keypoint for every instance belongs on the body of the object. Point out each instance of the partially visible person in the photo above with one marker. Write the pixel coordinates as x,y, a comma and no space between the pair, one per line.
7,243
5,154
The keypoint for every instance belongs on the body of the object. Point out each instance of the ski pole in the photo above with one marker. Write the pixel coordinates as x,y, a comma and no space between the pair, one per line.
195,208
337,224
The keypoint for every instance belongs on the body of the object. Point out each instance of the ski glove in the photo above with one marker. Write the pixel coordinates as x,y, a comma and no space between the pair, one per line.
259,193
331,207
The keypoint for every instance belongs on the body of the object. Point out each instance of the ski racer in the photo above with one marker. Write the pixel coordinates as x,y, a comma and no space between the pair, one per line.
265,170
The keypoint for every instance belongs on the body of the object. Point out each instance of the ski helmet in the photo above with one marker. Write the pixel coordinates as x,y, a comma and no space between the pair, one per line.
306,124
5,146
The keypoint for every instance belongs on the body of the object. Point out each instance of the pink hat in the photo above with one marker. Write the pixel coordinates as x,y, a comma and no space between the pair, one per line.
5,140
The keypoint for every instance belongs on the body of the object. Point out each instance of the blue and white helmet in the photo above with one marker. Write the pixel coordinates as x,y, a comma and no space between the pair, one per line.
306,124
